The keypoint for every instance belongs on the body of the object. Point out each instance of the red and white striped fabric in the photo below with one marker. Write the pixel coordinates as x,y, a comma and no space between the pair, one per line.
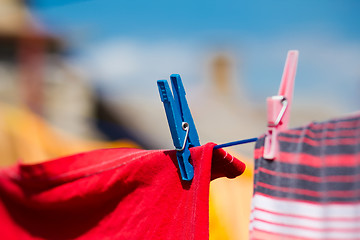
312,189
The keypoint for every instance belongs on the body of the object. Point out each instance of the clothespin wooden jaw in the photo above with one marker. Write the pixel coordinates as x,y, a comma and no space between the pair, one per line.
278,107
181,123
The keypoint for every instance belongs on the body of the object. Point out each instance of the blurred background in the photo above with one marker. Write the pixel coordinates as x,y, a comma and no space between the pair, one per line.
81,74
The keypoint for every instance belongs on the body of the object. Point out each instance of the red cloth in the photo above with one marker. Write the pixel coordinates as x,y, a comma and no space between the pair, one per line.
112,194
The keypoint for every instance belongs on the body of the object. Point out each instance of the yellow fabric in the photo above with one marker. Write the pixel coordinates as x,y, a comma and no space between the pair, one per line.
230,205
217,229
27,138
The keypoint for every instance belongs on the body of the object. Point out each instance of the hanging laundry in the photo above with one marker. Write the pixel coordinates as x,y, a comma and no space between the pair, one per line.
112,193
312,189
27,137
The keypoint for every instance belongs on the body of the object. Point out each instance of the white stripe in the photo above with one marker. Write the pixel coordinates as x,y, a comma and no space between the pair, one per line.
296,232
318,227
303,222
307,209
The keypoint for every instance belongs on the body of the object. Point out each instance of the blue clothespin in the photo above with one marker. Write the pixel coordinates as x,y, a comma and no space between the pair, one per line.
181,123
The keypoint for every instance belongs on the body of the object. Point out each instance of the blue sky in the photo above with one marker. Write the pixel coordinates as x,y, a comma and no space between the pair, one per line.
144,35
194,19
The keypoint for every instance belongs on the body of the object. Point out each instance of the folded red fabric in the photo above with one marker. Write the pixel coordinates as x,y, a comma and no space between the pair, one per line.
112,194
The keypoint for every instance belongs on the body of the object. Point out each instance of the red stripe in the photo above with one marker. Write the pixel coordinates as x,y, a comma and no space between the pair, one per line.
258,152
338,178
307,201
338,194
323,219
271,235
329,134
310,228
350,123
341,160
323,142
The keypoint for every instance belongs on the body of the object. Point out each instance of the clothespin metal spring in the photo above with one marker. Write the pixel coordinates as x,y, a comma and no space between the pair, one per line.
185,126
284,103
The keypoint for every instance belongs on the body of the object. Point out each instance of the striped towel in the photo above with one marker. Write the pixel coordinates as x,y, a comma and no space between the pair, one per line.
312,189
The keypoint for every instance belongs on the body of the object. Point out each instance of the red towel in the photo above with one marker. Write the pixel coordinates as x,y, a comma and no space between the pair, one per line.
112,194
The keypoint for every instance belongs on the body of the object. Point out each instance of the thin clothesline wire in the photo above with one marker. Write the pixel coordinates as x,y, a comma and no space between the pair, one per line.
229,144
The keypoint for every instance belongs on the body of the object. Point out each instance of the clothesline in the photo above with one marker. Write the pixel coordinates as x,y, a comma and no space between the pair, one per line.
229,144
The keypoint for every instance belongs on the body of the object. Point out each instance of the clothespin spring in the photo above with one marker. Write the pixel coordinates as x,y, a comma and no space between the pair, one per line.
284,103
185,126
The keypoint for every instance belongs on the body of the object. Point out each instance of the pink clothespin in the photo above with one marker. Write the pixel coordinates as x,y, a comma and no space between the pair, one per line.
278,107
